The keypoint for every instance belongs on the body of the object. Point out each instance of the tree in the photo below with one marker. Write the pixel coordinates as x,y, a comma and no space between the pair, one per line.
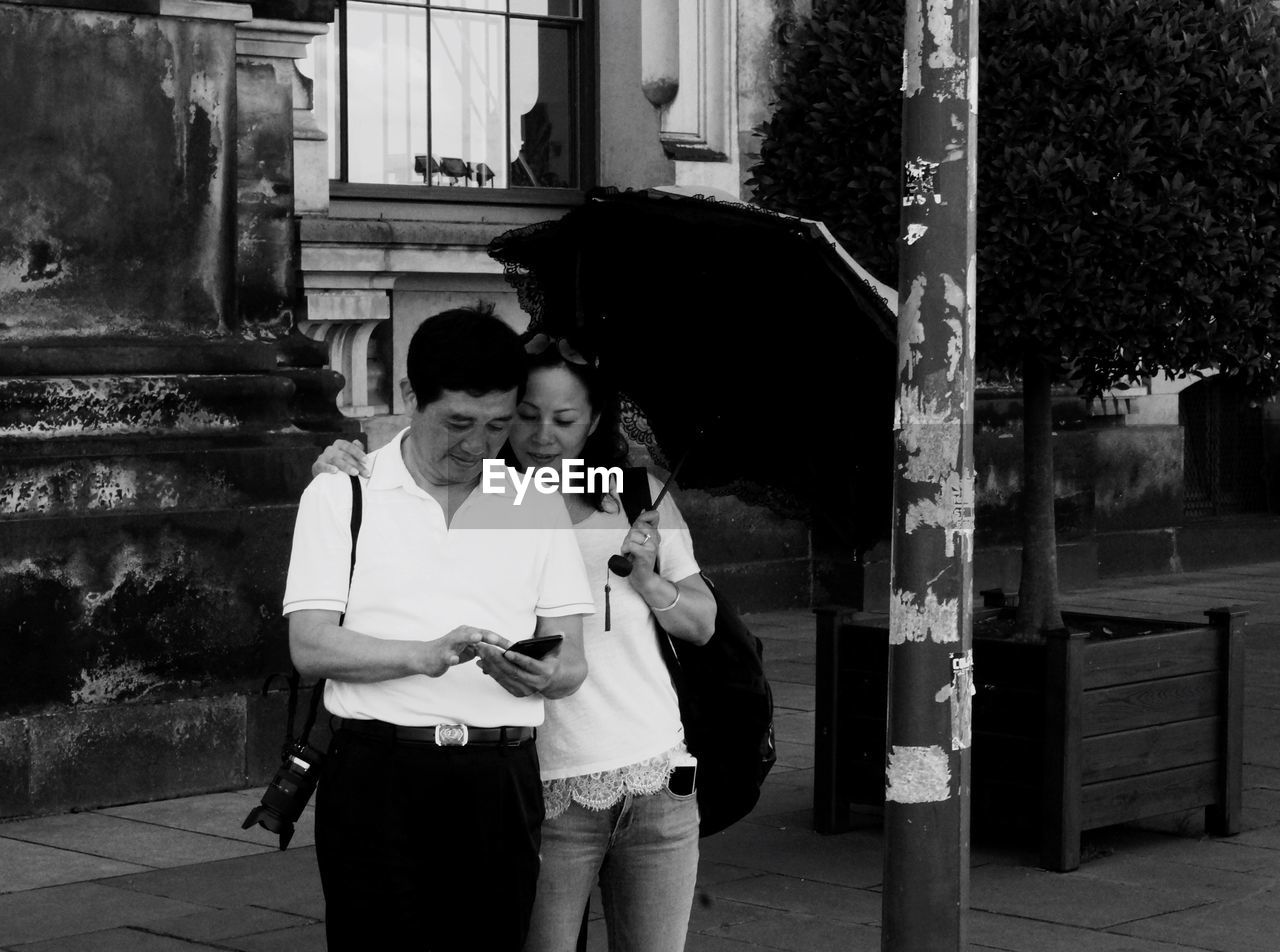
1128,195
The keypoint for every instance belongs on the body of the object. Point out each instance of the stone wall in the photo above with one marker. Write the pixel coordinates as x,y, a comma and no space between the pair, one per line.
1118,487
157,419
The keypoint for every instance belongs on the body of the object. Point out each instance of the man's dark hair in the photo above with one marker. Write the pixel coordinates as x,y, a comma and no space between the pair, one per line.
464,349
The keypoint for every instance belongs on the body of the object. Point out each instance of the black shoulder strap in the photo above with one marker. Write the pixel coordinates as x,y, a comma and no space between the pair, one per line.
357,514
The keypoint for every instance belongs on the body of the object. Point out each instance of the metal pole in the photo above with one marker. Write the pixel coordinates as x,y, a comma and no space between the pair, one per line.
926,869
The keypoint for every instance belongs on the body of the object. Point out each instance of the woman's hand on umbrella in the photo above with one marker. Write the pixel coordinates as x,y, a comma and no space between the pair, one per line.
642,541
343,457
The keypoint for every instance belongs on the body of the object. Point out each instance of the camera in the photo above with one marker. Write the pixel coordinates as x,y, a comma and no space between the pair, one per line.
287,794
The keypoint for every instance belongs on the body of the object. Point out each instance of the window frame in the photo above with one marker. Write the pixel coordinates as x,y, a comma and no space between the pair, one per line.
585,93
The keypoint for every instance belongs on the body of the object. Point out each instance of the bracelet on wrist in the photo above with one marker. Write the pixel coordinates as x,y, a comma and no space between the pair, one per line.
674,602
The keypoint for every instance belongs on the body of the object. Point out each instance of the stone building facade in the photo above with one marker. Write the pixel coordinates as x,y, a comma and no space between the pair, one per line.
220,224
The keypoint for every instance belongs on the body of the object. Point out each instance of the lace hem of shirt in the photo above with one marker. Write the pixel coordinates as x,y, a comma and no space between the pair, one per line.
601,790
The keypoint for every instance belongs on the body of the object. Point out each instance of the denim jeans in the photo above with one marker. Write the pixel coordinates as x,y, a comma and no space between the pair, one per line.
645,852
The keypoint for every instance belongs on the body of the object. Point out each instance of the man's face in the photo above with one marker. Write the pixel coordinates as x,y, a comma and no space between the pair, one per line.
452,436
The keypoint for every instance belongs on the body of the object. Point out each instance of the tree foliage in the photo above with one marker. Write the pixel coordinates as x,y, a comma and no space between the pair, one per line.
1128,187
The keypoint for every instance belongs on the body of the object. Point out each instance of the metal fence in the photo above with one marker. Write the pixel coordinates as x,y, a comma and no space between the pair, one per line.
1223,462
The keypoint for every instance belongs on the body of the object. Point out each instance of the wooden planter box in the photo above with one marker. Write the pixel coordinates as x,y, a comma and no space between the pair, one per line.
1078,733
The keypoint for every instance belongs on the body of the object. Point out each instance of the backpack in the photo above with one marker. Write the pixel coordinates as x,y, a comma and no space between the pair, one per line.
726,704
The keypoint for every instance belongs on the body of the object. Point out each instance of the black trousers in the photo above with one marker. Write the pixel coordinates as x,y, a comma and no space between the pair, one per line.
427,848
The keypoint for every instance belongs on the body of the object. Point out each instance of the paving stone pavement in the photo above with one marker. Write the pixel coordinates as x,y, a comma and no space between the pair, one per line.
180,875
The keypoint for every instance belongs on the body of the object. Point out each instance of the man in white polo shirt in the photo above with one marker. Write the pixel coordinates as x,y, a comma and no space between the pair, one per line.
429,803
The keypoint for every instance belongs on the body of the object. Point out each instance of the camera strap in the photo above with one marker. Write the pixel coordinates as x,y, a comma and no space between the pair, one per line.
317,693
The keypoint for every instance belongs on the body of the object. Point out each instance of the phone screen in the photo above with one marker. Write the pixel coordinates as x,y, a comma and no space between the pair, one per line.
536,647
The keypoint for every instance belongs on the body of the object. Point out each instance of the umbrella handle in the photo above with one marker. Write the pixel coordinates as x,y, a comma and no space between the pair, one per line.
621,565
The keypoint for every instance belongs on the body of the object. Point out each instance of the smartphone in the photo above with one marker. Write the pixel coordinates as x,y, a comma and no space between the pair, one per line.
683,781
536,647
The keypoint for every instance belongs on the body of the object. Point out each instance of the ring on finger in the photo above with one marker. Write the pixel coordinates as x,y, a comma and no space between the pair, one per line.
646,539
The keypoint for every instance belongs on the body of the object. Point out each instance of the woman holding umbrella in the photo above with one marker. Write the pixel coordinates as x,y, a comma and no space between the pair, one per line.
617,780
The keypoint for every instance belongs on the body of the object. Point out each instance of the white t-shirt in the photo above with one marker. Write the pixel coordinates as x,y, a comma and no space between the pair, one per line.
497,566
626,711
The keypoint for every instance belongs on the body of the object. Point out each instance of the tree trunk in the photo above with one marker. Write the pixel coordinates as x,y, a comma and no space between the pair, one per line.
1038,591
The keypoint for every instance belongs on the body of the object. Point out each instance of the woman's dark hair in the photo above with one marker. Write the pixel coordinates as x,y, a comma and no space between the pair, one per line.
605,447
464,349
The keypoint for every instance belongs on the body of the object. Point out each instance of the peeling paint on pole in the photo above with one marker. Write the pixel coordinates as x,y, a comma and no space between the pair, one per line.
944,54
922,183
971,314
958,695
950,510
917,775
953,71
910,330
958,301
913,621
932,447
913,53
931,596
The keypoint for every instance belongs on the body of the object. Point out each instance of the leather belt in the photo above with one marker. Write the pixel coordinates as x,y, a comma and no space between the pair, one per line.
442,735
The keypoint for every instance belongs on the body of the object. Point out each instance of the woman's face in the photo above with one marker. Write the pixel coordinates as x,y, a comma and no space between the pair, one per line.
553,420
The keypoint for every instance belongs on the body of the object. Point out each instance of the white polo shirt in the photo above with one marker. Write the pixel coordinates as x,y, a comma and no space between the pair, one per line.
497,566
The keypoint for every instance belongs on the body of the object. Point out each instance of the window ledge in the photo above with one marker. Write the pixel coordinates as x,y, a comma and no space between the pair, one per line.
565,197
693,153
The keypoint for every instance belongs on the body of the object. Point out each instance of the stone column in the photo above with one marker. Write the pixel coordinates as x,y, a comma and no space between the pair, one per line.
267,80
150,457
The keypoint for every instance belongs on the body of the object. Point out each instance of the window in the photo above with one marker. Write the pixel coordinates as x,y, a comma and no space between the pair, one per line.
480,94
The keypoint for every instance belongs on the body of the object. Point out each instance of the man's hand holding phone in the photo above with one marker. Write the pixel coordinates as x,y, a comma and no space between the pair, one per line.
523,668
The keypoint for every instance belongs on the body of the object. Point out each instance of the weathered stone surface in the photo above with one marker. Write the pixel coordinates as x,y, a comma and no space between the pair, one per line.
111,233
113,475
756,586
125,840
25,866
140,604
153,405
127,752
222,924
15,768
845,581
286,881
152,444
1254,538
727,530
266,252
1138,552
1078,899
77,357
214,814
998,473
1138,481
81,907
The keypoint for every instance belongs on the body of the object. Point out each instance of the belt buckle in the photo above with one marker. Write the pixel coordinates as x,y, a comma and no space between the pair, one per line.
451,735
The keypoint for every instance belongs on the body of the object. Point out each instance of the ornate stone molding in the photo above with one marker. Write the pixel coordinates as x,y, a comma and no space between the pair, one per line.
345,319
